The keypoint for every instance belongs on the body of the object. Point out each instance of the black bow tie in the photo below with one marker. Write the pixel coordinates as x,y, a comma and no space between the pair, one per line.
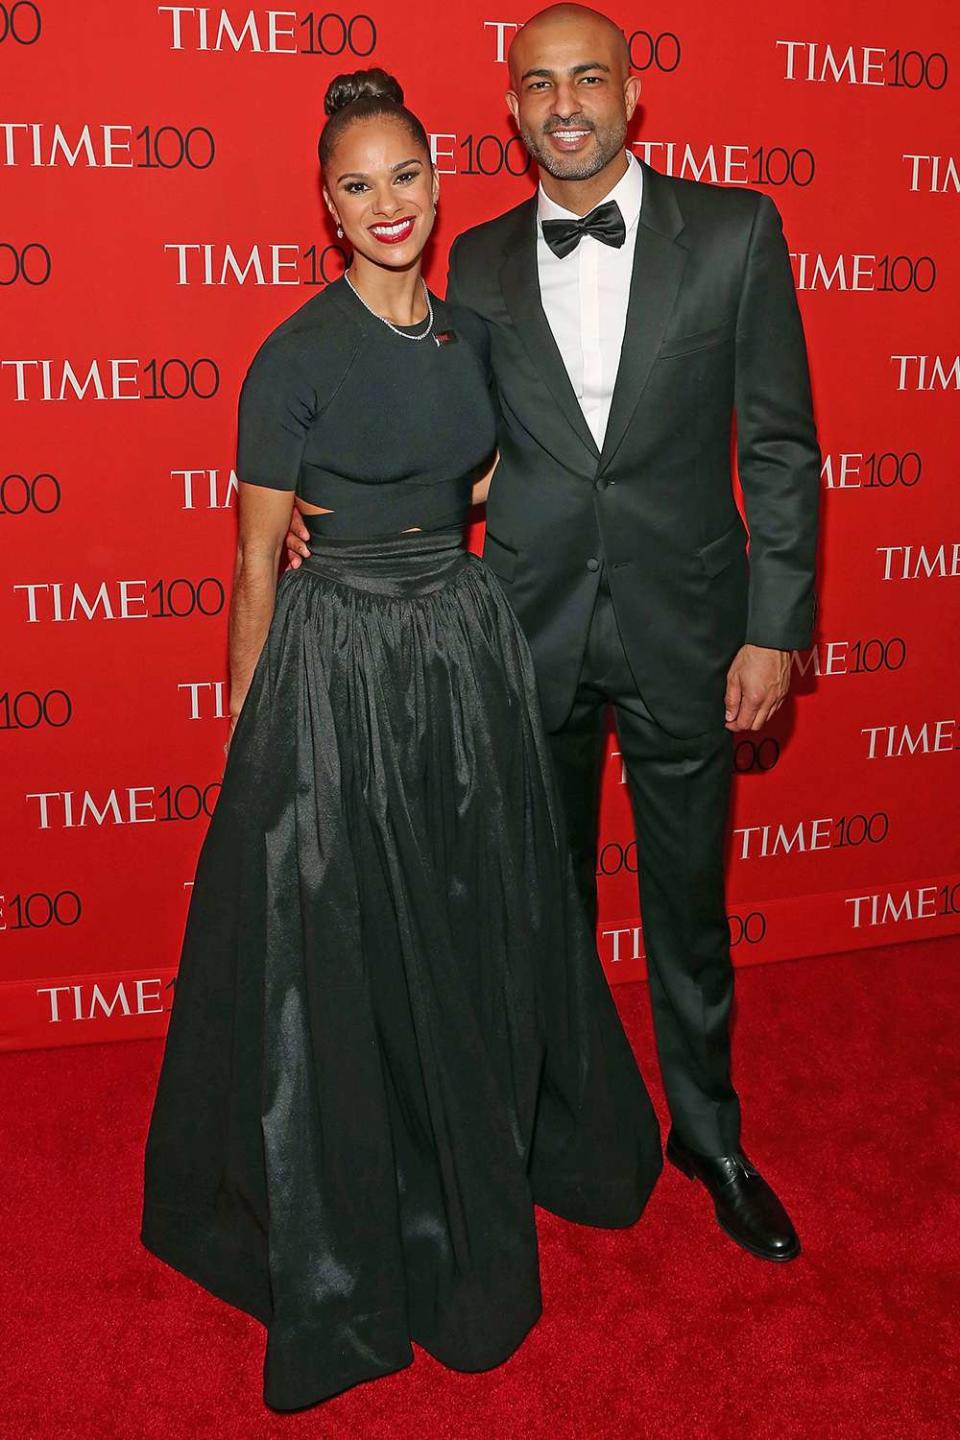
604,224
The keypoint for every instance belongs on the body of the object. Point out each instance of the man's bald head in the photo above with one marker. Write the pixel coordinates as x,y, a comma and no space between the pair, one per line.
571,91
567,20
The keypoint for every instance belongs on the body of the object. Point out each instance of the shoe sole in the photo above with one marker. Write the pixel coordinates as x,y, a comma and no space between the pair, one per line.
743,1244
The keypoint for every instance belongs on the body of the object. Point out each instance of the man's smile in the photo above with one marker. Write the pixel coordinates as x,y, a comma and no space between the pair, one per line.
569,139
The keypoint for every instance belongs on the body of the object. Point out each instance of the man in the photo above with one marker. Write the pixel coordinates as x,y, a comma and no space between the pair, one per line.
627,317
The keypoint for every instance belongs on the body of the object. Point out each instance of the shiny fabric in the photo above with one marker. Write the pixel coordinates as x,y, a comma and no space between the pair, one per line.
391,1033
605,224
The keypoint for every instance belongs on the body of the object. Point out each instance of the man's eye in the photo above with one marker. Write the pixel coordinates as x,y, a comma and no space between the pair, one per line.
592,79
538,85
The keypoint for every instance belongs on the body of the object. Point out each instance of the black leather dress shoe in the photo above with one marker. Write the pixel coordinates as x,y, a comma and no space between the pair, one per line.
747,1209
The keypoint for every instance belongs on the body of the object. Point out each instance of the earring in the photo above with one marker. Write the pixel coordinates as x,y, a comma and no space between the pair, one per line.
339,232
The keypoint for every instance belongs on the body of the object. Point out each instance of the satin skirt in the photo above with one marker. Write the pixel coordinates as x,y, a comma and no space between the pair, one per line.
391,1035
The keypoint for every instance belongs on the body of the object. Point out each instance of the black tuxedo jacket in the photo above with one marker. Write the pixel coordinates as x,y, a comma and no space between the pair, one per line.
713,330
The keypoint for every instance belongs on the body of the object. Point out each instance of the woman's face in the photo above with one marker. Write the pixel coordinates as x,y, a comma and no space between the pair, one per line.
383,190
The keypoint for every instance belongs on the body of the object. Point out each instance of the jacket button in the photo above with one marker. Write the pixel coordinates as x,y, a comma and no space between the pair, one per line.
593,564
601,482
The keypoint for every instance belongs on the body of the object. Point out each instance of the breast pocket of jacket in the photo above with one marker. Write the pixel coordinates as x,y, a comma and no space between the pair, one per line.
677,345
501,557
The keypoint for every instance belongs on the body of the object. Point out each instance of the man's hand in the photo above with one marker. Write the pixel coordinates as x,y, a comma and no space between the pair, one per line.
296,541
757,685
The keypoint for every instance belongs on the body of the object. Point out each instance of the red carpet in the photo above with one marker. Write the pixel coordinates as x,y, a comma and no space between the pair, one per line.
849,1069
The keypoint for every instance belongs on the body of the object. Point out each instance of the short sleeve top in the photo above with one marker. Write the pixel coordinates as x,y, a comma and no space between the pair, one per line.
386,432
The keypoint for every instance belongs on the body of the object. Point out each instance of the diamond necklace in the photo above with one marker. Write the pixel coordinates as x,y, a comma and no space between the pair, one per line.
390,326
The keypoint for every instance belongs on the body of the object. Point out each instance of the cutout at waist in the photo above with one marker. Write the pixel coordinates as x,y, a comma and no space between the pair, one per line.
365,511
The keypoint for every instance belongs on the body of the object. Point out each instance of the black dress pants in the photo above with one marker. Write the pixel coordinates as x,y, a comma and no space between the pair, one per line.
679,790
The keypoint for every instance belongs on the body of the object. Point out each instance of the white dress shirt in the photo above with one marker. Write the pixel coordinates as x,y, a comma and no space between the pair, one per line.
585,295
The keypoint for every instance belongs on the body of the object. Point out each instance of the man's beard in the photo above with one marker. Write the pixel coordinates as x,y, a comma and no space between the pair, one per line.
609,142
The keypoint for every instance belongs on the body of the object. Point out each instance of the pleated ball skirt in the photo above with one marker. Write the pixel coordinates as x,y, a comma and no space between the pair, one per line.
391,1034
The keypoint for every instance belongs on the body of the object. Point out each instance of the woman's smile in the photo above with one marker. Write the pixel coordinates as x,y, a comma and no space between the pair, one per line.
393,232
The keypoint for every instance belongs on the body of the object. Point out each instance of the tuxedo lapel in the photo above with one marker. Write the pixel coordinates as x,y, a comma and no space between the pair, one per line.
658,264
520,284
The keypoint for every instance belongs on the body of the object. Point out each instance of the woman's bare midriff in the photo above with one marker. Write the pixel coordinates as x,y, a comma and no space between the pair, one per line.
306,508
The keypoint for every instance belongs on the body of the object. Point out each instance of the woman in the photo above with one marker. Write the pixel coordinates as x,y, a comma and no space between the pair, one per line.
391,1033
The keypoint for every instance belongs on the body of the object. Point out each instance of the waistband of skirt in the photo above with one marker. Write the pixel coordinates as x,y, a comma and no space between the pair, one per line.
374,547
408,565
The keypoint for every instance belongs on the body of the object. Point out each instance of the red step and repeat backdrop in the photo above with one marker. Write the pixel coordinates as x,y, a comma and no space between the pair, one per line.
161,213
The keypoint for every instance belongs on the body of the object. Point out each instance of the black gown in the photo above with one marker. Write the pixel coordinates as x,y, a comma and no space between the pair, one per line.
391,1034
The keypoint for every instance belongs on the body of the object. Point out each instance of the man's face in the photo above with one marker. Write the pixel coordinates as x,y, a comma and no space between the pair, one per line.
571,94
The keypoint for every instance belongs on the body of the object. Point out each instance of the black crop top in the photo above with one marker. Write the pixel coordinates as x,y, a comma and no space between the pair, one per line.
387,433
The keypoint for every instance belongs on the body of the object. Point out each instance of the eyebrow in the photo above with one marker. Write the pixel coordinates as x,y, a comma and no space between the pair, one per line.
361,175
574,70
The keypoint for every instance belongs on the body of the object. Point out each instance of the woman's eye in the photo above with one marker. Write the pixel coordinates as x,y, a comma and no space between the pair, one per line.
408,175
355,186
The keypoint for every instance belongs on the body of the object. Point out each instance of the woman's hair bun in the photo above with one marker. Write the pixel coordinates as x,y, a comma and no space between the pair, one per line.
364,95
373,84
